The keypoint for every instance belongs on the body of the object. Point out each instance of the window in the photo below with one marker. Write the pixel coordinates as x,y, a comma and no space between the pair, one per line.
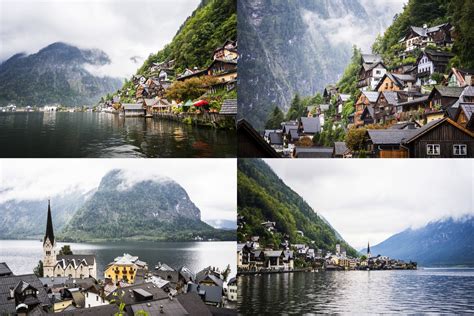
433,149
460,150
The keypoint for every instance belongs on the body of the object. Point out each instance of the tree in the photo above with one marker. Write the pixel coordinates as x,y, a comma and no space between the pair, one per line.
38,270
348,82
355,139
295,110
363,257
275,119
190,89
65,250
304,141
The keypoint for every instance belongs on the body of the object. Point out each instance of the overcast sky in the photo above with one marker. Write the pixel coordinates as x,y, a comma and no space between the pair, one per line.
210,183
370,200
121,28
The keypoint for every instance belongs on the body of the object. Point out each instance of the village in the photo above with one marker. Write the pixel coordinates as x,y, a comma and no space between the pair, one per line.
205,97
68,284
254,258
419,108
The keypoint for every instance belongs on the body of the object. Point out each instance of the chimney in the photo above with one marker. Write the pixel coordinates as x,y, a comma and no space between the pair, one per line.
468,80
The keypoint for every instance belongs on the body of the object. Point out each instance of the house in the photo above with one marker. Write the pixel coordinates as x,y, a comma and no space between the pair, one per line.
371,72
210,295
442,138
395,82
419,37
460,77
269,226
243,255
385,107
308,126
224,70
442,97
408,109
55,265
464,115
161,105
312,152
366,98
132,109
166,273
341,150
329,91
368,115
23,294
274,259
250,144
232,290
192,73
124,268
228,51
341,100
430,62
288,260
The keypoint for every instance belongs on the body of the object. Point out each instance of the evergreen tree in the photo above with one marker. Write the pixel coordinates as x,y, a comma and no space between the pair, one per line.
275,119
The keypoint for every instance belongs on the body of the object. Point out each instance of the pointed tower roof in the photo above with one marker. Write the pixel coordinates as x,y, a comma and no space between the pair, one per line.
49,227
368,248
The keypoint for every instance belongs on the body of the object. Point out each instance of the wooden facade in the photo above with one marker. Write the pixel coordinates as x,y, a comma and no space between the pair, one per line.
446,136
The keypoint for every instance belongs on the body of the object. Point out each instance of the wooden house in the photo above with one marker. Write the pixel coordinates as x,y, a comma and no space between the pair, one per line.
228,51
371,72
442,97
308,126
341,151
385,107
229,107
329,91
368,115
429,62
223,70
132,109
188,74
366,98
418,37
442,138
464,115
395,82
460,77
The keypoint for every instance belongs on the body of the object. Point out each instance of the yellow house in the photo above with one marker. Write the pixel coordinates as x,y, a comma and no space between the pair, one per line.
124,269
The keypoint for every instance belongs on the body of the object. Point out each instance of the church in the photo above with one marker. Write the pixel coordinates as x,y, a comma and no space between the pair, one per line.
72,266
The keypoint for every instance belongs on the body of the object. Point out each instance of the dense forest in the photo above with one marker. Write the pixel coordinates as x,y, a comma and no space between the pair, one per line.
262,196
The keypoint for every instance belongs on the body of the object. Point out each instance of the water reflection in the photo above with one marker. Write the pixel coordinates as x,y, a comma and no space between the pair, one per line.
104,135
434,291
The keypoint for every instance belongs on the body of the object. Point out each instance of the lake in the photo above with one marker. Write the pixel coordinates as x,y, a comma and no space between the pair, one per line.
361,292
23,255
64,134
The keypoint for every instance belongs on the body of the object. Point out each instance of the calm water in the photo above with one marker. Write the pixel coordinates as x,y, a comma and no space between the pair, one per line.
38,134
360,292
23,255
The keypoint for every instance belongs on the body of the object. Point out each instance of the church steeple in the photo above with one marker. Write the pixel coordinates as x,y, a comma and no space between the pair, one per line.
368,250
49,227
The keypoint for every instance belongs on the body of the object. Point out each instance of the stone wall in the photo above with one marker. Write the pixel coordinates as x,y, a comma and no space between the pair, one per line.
214,120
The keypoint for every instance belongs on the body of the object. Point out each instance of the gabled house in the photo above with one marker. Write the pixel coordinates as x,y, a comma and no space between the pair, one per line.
341,150
308,126
395,82
460,77
223,70
274,259
418,37
385,107
464,115
371,71
368,115
329,91
430,62
228,51
365,99
132,109
442,97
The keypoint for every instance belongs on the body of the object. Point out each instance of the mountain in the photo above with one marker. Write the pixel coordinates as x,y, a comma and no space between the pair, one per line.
222,224
56,74
263,196
152,209
440,243
290,47
27,218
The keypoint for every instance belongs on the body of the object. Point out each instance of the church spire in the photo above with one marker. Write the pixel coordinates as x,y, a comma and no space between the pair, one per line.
368,249
49,227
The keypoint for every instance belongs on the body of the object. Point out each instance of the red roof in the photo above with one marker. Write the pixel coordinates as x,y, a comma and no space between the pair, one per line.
201,103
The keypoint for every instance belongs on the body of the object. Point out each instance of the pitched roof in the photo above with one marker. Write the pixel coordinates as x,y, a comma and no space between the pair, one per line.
448,92
388,136
437,56
132,106
150,102
313,152
467,108
369,109
415,101
193,303
371,58
4,269
344,97
246,131
426,128
372,96
7,306
229,107
311,125
105,310
211,293
391,97
164,306
49,227
129,293
276,138
273,253
340,148
294,136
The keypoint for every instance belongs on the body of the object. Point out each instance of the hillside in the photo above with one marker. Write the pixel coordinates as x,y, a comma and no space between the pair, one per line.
440,243
55,74
290,47
262,196
27,218
208,27
158,209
